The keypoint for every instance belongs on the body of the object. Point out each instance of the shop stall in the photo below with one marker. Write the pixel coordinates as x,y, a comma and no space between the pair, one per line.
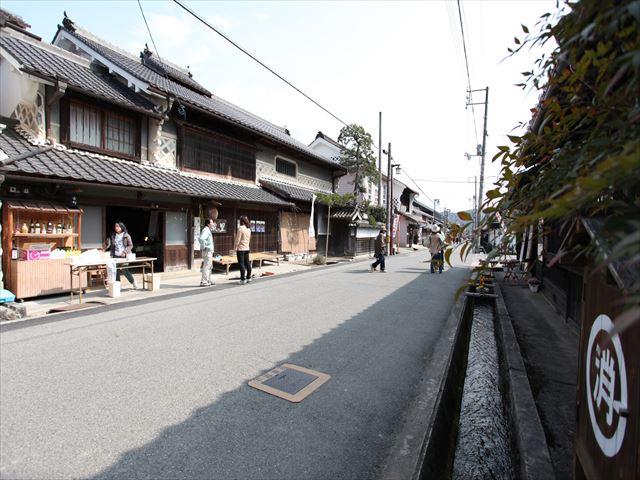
38,237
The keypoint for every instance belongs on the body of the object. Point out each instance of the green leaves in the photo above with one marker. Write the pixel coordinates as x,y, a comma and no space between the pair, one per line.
493,194
581,153
447,256
464,216
357,155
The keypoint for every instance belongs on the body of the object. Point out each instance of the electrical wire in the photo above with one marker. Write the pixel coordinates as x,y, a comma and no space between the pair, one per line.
308,97
466,61
149,30
260,62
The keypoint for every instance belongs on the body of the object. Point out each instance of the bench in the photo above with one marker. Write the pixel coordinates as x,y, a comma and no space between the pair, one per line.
228,260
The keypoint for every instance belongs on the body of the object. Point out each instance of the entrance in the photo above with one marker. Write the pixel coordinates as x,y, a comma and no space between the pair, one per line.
146,228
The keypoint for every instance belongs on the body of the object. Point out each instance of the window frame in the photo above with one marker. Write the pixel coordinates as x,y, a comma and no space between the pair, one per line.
286,160
209,135
104,111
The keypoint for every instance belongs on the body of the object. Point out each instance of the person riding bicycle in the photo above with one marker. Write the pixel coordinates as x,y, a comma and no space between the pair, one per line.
435,244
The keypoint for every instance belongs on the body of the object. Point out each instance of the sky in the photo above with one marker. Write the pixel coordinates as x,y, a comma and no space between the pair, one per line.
404,59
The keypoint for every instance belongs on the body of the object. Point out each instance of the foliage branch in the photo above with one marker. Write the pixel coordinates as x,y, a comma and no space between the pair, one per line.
357,156
580,155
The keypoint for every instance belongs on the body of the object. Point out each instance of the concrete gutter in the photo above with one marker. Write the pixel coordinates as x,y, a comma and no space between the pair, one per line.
533,460
424,444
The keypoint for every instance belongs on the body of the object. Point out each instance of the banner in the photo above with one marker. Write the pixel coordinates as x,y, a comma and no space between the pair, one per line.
312,231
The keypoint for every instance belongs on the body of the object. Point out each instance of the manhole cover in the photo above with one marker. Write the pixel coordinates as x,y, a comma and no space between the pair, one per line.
290,382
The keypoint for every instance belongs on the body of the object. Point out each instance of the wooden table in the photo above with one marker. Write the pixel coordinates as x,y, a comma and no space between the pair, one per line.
80,267
226,261
514,270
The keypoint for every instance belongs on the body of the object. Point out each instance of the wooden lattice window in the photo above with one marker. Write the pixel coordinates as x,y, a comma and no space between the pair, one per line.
120,134
102,130
213,154
285,167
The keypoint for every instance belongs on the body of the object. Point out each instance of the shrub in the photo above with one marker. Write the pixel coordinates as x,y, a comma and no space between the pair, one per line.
319,260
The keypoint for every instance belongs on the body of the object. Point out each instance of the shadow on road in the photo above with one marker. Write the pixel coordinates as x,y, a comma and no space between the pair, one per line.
343,430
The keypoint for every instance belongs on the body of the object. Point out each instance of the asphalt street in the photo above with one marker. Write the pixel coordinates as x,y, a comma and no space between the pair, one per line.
160,390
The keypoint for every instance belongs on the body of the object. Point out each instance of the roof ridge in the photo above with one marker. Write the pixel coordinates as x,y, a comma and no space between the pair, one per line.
289,184
169,63
105,43
231,104
48,47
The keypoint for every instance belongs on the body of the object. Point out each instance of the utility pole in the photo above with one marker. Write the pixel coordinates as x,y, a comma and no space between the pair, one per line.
435,200
482,153
380,158
389,198
484,149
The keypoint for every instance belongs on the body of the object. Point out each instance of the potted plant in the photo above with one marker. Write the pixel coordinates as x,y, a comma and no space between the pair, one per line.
534,284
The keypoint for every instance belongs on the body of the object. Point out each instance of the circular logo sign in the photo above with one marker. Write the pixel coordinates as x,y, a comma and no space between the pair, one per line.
606,384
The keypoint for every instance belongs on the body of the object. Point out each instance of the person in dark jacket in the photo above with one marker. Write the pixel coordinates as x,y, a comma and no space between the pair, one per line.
120,245
379,250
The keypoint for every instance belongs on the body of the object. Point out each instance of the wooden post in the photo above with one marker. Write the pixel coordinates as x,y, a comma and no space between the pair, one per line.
326,248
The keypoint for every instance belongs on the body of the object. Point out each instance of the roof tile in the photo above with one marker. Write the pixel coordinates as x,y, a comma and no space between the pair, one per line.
63,163
212,104
43,61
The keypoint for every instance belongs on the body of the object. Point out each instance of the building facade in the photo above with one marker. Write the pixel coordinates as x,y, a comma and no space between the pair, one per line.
90,127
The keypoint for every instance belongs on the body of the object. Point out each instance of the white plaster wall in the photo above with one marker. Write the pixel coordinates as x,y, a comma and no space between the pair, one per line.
16,88
162,143
308,175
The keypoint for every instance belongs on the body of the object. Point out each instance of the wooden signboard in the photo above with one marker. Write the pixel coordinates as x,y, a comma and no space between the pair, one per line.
608,396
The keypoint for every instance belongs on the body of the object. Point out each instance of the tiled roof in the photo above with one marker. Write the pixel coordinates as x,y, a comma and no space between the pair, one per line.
215,105
45,61
346,213
330,140
172,71
69,164
12,18
413,218
288,191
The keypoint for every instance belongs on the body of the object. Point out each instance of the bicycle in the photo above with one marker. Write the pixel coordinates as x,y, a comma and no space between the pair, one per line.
437,262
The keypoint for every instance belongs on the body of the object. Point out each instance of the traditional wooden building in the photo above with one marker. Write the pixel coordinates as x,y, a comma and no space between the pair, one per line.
135,139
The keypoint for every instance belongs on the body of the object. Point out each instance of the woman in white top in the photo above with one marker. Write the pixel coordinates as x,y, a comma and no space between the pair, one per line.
243,239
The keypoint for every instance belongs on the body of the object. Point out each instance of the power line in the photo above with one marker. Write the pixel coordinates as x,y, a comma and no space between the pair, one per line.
149,30
466,62
404,170
443,181
260,62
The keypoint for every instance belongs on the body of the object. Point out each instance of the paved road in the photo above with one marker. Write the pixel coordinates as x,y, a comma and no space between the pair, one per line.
159,390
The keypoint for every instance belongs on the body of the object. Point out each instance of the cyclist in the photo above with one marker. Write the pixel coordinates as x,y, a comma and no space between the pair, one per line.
435,244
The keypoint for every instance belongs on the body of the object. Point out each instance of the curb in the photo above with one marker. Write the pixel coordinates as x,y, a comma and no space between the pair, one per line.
422,448
533,459
55,317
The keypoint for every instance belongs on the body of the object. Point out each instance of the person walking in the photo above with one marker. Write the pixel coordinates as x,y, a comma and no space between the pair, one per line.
206,247
243,239
120,245
378,250
435,244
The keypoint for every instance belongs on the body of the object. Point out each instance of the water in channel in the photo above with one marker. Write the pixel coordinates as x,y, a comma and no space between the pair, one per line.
482,445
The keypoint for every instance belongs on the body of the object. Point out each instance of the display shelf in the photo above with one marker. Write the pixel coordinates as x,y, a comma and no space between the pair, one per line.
45,235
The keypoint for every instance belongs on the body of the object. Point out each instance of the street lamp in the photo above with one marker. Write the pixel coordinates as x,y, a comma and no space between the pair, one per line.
435,200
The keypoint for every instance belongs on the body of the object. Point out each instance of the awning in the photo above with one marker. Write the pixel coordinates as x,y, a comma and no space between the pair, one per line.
43,206
415,219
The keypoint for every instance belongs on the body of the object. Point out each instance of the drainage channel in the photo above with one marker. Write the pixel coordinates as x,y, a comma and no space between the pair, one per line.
483,447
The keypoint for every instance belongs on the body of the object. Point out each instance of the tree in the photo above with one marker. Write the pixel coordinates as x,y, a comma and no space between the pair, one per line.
580,155
357,156
333,200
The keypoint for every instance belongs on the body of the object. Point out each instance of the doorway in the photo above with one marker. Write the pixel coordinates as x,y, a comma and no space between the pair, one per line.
146,228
